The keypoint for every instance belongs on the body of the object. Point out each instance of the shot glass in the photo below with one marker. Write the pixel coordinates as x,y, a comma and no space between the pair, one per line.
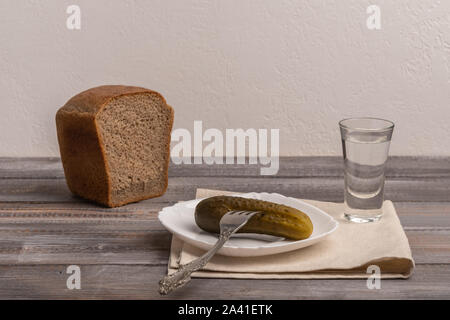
365,146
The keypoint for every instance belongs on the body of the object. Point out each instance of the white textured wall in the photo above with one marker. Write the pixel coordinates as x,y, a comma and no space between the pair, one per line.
296,65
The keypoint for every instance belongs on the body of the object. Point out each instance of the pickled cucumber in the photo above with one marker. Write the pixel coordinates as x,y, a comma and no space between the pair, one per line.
275,219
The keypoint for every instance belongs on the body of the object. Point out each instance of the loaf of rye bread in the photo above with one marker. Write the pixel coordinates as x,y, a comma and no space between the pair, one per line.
115,144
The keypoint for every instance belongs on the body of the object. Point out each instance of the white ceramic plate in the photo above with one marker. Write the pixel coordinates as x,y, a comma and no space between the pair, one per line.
179,219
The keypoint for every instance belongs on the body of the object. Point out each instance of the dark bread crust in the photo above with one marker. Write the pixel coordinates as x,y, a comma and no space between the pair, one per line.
82,153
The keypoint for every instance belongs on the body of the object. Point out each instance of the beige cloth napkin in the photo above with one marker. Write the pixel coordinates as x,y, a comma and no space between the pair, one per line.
345,254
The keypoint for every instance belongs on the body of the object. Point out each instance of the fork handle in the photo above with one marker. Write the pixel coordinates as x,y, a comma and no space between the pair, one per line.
183,275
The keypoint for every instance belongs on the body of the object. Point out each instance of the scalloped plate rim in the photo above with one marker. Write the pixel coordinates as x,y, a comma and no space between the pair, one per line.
268,248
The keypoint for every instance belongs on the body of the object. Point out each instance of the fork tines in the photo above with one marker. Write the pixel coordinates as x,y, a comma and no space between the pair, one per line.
244,212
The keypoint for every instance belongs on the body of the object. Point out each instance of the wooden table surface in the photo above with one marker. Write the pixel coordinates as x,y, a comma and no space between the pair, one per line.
123,252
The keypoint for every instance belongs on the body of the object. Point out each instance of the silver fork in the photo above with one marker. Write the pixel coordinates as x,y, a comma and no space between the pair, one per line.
230,223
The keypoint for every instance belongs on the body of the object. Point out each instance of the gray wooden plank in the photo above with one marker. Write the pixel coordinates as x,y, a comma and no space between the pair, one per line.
423,215
73,246
141,282
183,188
413,215
80,207
138,241
31,168
320,166
324,166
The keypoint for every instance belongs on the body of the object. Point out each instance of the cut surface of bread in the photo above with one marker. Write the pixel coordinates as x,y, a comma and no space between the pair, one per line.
114,143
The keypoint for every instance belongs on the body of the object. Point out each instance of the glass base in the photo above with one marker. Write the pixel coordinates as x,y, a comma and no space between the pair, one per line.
361,219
